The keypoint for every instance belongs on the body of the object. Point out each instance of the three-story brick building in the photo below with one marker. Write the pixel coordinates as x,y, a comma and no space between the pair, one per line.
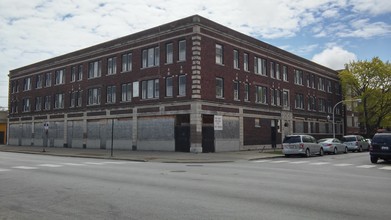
189,85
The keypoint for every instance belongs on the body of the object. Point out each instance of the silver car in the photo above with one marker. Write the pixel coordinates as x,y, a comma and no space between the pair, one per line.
305,145
333,145
355,143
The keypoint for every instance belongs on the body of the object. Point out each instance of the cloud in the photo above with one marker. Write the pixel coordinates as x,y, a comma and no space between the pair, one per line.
362,28
334,57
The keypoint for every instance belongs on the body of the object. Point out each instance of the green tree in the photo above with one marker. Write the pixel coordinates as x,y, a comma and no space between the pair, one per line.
370,81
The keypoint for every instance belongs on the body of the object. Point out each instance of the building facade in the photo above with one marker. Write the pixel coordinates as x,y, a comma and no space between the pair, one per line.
189,85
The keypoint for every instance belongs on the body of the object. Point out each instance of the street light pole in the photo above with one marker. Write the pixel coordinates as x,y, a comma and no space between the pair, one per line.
352,100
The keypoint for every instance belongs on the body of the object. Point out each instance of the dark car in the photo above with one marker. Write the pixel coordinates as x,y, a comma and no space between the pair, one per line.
380,147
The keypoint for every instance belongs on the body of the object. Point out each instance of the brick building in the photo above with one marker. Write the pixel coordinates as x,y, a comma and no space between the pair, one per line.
189,85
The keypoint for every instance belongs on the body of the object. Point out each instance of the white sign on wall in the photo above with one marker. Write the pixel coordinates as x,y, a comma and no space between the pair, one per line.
218,122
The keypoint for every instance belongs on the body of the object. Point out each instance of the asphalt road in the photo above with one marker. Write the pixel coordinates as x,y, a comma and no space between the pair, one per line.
329,187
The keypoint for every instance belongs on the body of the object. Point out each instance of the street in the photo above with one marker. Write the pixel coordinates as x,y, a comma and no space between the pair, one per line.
345,186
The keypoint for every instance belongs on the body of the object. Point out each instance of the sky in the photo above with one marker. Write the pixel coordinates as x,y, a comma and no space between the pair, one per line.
329,32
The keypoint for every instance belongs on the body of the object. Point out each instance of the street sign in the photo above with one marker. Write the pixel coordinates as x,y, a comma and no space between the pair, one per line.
218,122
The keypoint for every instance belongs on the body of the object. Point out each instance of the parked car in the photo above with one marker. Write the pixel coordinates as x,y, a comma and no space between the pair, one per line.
355,143
305,145
380,147
333,145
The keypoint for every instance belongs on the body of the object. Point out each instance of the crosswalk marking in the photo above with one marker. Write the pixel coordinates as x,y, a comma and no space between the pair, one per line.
300,162
385,168
261,161
366,166
320,163
94,163
343,164
25,168
4,170
50,165
74,164
279,161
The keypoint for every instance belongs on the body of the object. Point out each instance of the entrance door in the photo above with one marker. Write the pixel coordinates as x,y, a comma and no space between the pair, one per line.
2,135
182,138
208,134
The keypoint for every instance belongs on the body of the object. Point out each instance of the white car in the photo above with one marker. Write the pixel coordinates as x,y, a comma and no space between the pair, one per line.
305,145
355,143
333,145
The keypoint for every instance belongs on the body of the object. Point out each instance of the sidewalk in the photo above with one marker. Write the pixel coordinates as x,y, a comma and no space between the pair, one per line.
146,156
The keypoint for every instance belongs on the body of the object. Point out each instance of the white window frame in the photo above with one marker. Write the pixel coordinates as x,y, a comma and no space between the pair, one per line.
236,59
94,96
111,65
261,94
59,101
59,77
219,87
126,62
219,54
94,69
111,94
182,50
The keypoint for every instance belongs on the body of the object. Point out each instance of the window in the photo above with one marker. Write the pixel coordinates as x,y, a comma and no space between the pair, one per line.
47,103
260,66
275,97
261,94
219,87
285,73
246,92
329,107
182,50
59,101
236,90
94,69
309,80
38,103
321,84
169,53
80,73
59,77
219,54
126,92
127,62
112,65
169,88
245,61
313,81
110,94
150,57
278,75
26,105
311,103
272,70
48,79
257,122
136,89
298,77
73,73
39,81
182,85
27,84
94,96
236,59
75,99
285,98
150,89
328,86
322,105
299,101
15,86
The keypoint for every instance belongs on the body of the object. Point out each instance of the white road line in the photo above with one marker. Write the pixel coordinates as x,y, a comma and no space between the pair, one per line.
261,161
25,168
73,164
120,162
299,162
4,170
94,163
50,165
366,166
320,163
279,161
385,168
342,164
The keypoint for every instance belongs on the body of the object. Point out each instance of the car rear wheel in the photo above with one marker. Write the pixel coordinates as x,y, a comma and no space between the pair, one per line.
374,159
335,150
321,152
307,153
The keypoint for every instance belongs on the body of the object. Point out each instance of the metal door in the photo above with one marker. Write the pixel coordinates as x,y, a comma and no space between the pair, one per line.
182,138
208,139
